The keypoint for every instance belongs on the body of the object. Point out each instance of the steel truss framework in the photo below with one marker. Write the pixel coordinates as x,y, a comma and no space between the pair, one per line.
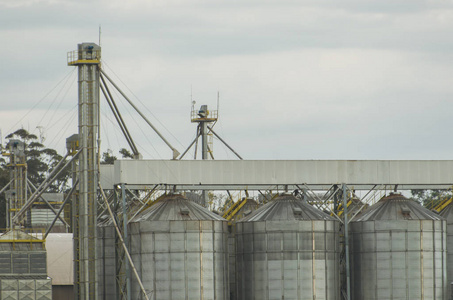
343,201
337,179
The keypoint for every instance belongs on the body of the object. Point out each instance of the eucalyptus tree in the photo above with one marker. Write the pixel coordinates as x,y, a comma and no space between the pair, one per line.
40,161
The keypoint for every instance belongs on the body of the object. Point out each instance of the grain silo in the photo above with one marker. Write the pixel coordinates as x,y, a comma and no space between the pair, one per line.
398,251
23,267
180,251
287,249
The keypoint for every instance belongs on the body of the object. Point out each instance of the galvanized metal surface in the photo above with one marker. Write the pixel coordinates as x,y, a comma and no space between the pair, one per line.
18,191
176,208
232,262
107,250
287,250
16,263
179,249
88,64
397,207
22,256
398,251
122,243
21,289
447,213
106,264
410,174
43,217
250,206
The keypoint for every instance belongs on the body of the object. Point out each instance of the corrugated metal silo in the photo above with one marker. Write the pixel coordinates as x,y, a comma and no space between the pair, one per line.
447,213
180,251
398,251
23,267
287,249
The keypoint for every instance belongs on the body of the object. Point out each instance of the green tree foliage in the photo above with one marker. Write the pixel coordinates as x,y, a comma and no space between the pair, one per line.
41,161
217,200
126,153
108,158
431,198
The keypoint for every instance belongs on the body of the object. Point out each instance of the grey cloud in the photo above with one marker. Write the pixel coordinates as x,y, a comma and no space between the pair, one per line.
204,29
312,79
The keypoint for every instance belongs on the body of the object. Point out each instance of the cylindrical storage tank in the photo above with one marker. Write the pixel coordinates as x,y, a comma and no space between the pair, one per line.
398,251
287,249
180,250
447,213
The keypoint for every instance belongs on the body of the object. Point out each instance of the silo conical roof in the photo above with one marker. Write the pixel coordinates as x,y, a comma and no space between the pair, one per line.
447,212
397,207
176,207
286,207
250,204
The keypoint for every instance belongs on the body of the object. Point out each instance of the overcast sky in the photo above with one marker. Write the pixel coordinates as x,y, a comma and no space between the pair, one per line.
299,79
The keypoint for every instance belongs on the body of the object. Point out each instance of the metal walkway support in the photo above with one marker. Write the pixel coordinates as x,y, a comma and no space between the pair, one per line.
327,184
261,174
87,59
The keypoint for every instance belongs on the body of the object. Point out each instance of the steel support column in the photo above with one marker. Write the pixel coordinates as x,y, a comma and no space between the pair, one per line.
346,241
126,242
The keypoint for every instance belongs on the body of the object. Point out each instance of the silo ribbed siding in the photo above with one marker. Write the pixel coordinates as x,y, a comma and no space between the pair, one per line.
447,213
23,267
288,250
398,251
107,282
181,251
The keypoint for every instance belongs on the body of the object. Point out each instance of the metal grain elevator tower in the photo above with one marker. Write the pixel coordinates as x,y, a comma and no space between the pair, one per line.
87,58
17,195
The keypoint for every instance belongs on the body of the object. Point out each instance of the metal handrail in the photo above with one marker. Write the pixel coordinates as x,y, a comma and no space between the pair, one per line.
212,115
79,55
